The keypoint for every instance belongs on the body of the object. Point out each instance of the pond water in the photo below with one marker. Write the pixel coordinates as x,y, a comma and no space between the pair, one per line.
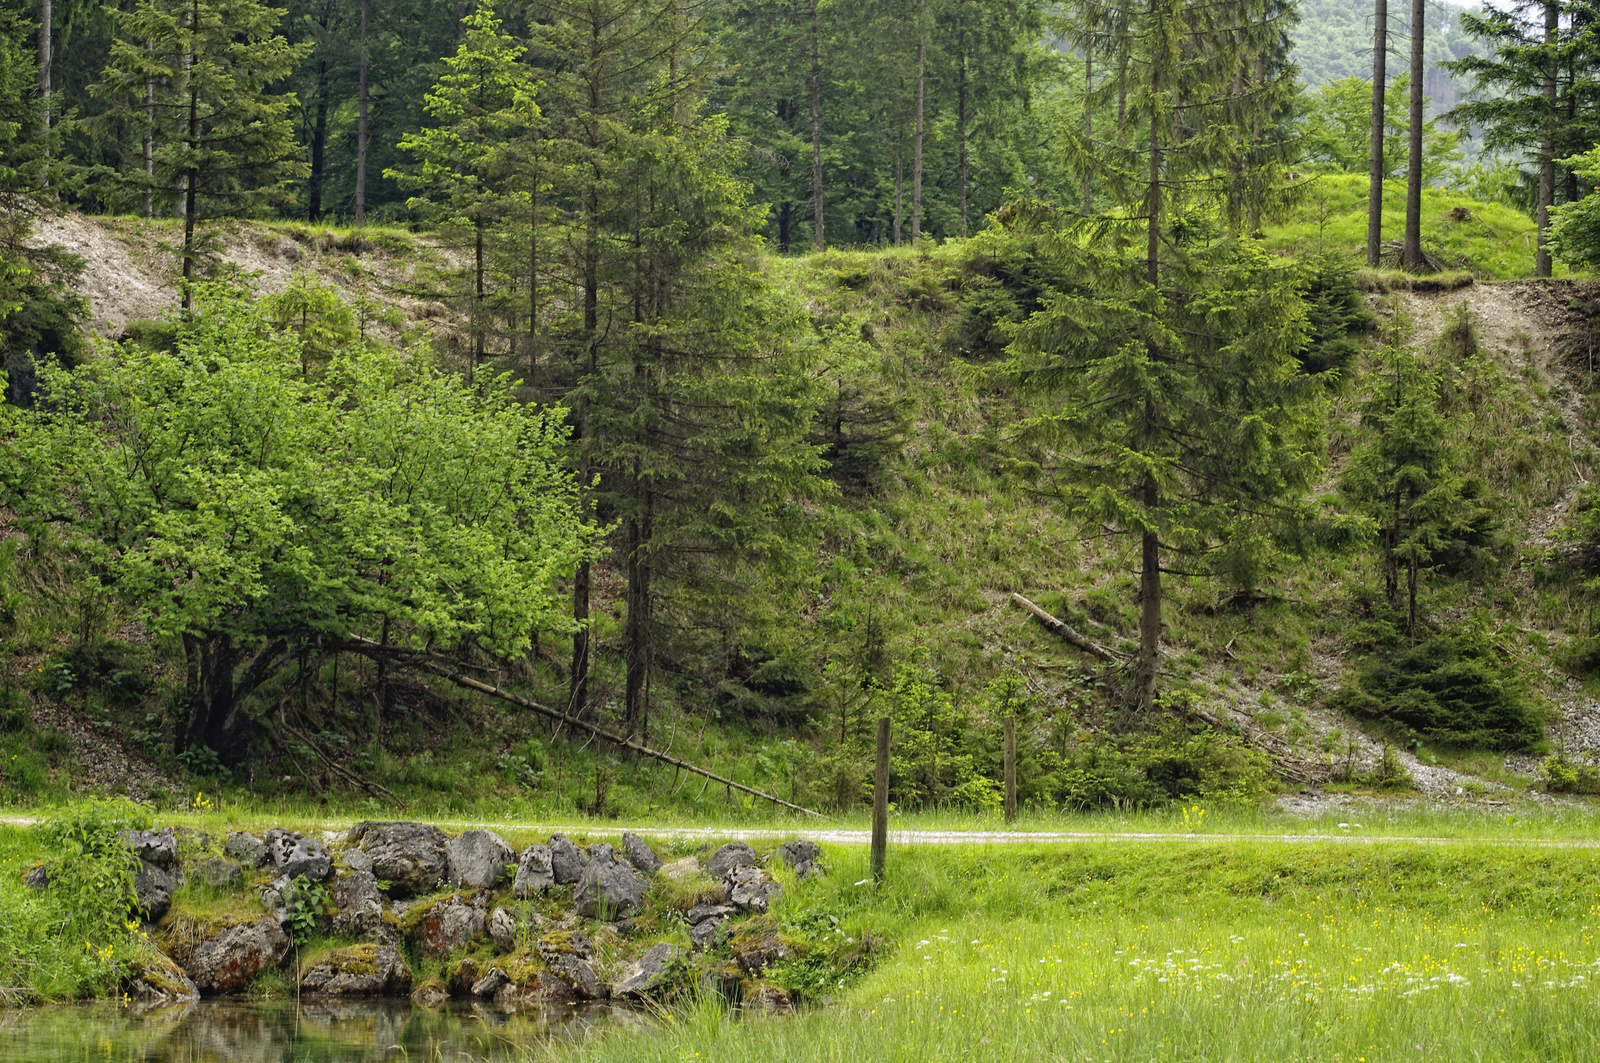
229,1031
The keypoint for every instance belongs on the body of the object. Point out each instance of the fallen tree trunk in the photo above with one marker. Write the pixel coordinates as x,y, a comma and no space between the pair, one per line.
447,670
1067,632
1284,760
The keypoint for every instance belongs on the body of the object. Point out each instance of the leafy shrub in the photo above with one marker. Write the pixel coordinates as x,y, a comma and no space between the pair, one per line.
91,870
1561,775
1448,688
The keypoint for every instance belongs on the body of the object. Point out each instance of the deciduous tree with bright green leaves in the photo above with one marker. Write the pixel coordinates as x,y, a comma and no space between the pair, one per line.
251,514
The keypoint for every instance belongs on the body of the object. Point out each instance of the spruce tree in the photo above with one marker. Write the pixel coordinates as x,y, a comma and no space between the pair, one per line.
194,79
1173,406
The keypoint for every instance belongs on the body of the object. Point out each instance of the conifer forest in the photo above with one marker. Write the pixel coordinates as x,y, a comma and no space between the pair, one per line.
1058,432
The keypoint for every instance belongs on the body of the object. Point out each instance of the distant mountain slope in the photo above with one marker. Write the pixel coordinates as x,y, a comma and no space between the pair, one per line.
1334,40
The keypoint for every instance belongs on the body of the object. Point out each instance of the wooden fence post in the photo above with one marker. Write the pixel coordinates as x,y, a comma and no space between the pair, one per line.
880,801
1011,769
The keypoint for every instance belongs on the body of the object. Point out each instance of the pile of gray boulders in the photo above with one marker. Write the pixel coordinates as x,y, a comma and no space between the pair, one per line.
555,922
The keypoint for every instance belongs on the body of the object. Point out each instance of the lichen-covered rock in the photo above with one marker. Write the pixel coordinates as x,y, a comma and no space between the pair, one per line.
567,861
477,859
445,927
358,971
701,912
154,979
36,877
708,934
678,870
653,972
153,886
245,848
639,853
356,860
534,872
158,847
408,856
577,975
490,984
563,943
803,856
360,907
768,998
429,994
730,856
756,952
503,930
751,888
230,960
218,873
608,887
462,977
294,855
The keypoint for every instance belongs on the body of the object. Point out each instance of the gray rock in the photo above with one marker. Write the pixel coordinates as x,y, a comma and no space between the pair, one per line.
359,971
218,873
356,860
578,976
653,971
563,943
360,906
229,961
567,861
639,853
601,851
36,877
730,856
701,912
609,888
275,898
533,872
429,995
409,856
294,855
678,870
803,856
153,886
756,954
490,984
708,934
751,888
503,930
158,847
448,926
477,859
245,848
156,980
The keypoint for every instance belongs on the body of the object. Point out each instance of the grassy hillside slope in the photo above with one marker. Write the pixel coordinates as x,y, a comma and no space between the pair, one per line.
916,553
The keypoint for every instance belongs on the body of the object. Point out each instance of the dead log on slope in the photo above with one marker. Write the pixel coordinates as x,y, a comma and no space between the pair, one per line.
1285,761
1067,632
450,670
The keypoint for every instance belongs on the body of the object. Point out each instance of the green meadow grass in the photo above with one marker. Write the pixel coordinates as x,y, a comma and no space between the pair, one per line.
1497,241
1239,953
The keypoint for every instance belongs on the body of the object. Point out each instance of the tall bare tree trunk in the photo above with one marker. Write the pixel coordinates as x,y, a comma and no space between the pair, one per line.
818,238
46,45
899,177
1547,148
916,149
1088,122
1412,257
191,182
1380,83
961,125
149,141
319,144
361,120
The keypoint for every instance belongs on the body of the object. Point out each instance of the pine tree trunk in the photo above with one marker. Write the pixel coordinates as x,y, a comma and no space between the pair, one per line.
1411,599
46,47
1149,662
1088,122
191,181
916,143
319,142
479,325
150,142
1547,161
1412,257
578,685
961,127
638,634
1380,83
818,237
361,121
899,177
